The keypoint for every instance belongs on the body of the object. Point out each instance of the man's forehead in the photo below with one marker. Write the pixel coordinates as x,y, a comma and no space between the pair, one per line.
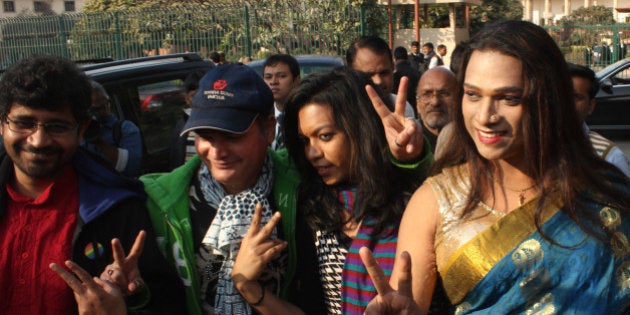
64,112
278,67
369,61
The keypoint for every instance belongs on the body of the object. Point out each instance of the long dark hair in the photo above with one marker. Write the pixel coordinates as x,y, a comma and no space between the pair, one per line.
558,153
383,189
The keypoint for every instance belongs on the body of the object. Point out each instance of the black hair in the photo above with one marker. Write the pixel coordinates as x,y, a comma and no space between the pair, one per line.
400,53
191,83
586,73
48,83
215,57
373,43
288,60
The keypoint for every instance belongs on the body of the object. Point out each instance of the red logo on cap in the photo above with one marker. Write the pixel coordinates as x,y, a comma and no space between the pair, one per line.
219,85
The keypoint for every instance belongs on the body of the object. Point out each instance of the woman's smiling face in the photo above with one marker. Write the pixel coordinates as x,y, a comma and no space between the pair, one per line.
492,105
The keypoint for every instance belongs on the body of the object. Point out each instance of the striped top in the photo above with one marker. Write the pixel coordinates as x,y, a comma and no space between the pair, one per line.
350,291
357,289
601,145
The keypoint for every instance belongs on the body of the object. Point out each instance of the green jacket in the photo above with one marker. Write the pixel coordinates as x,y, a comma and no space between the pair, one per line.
169,210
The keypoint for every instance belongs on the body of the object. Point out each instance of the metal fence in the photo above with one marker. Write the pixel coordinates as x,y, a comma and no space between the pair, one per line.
594,46
238,29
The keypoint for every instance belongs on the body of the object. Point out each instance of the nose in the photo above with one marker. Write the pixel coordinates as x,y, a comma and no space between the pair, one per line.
434,99
312,152
487,111
378,80
218,149
211,149
39,138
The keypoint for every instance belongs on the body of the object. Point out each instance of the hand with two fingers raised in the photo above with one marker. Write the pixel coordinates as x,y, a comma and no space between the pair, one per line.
388,300
124,271
404,134
256,251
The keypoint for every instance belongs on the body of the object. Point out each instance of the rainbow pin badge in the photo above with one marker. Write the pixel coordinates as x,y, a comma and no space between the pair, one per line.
93,250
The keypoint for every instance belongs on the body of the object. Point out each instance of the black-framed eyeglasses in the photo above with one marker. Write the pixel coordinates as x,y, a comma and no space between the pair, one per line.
27,126
428,94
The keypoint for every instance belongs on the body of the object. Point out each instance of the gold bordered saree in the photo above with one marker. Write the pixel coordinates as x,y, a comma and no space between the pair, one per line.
495,263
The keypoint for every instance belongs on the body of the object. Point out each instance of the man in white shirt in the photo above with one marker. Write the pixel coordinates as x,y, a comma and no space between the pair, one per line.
281,72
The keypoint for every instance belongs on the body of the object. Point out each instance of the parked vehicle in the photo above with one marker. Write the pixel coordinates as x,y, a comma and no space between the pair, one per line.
308,64
611,116
150,92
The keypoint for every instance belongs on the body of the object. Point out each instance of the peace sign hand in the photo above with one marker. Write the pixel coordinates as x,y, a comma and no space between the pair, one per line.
388,300
404,134
256,249
124,271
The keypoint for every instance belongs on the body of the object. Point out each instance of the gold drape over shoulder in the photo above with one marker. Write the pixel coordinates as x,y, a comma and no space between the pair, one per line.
468,247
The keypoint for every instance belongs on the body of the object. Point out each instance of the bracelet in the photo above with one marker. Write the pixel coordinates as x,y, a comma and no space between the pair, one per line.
262,295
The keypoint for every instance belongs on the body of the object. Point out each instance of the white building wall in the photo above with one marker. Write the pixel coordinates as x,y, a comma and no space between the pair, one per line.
23,7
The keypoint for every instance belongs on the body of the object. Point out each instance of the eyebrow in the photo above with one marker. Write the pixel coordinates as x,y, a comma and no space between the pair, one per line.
277,72
507,89
33,118
319,129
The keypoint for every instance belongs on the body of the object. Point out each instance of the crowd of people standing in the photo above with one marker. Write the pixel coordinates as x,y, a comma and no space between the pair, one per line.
321,194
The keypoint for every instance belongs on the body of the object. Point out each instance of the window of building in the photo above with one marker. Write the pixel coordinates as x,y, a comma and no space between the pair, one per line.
39,6
69,6
8,6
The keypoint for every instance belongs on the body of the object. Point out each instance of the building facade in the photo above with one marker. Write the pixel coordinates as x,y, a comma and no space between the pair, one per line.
12,8
546,12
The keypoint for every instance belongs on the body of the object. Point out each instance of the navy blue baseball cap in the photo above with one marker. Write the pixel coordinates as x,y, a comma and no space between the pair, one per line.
229,99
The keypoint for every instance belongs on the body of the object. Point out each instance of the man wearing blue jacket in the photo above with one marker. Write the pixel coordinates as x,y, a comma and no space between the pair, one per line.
59,203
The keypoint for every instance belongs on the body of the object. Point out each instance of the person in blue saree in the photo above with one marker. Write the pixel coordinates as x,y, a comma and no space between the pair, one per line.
520,216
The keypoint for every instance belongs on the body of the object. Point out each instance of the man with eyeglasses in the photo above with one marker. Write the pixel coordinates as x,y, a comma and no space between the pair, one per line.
118,141
435,98
58,203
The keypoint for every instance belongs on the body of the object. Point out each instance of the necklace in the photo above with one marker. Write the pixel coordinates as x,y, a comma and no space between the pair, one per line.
521,193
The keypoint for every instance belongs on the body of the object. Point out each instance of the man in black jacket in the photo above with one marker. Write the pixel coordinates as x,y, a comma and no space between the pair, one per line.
58,203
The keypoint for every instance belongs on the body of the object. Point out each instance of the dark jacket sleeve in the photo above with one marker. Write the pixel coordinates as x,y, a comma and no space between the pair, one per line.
306,288
124,221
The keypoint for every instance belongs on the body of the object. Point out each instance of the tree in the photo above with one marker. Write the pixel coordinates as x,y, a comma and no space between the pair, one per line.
581,31
256,27
493,11
594,15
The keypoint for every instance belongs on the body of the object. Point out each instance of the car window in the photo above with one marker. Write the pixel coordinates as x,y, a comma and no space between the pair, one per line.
310,69
161,105
622,77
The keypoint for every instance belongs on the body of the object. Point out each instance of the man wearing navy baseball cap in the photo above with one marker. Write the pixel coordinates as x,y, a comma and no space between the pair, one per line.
202,209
